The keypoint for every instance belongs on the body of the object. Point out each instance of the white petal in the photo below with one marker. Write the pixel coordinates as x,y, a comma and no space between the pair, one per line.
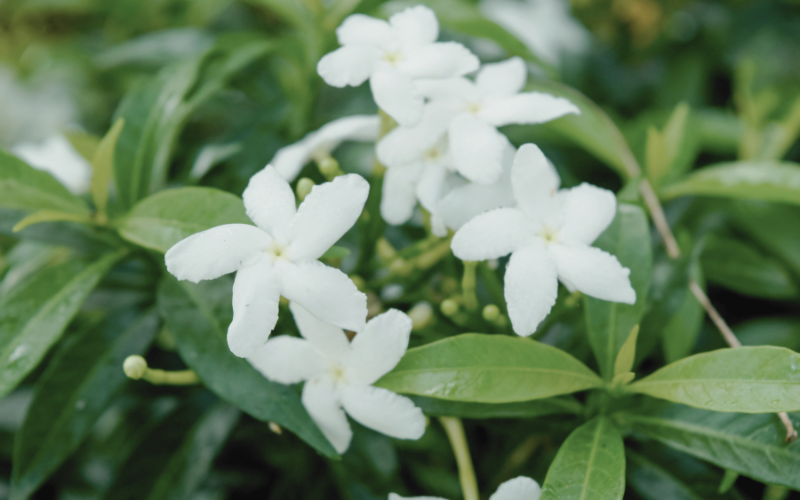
534,180
270,203
528,107
531,287
439,60
217,251
593,272
587,212
492,235
319,398
325,292
431,186
398,197
378,348
383,411
438,225
404,145
350,65
395,93
502,79
476,148
327,339
287,360
329,210
519,488
456,90
256,293
359,29
290,160
57,156
415,26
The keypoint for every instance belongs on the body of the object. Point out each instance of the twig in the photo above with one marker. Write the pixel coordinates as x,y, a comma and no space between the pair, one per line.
466,473
657,213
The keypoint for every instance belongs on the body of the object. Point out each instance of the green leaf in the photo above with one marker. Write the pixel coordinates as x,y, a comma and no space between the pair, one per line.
680,333
165,218
71,394
748,180
627,353
336,252
747,379
734,264
525,409
488,369
753,445
197,316
776,229
174,458
103,163
589,465
24,188
609,323
674,130
778,331
50,216
35,313
657,156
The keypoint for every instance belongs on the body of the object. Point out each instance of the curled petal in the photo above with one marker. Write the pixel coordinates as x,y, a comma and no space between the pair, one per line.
395,93
349,65
476,148
528,107
329,210
534,180
383,411
360,29
256,293
404,145
439,60
415,26
398,197
378,348
593,272
492,235
531,287
502,79
519,488
588,211
287,360
269,201
327,339
217,251
319,398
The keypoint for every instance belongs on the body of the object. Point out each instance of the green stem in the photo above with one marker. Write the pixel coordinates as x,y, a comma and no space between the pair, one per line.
458,440
468,284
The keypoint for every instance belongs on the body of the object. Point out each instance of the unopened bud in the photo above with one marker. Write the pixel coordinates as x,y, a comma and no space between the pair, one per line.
304,186
449,307
275,428
134,367
421,315
491,313
328,167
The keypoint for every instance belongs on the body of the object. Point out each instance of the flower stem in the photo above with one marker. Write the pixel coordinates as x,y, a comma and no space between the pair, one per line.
458,440
135,367
468,285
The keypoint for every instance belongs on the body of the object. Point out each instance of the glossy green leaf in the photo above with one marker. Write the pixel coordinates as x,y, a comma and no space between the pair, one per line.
589,465
749,180
609,323
103,163
71,394
488,369
741,267
161,220
198,316
22,187
174,458
778,331
36,311
747,379
525,409
753,445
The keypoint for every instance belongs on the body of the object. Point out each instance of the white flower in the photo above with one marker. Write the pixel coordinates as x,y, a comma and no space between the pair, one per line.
339,374
278,256
477,108
392,55
549,237
57,156
319,144
519,488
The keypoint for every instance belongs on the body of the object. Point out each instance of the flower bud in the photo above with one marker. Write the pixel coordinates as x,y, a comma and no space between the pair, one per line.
449,307
421,315
134,367
491,313
304,186
328,167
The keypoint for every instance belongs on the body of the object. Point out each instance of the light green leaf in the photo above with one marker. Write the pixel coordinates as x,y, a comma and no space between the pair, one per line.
674,130
656,155
589,465
165,218
753,445
609,323
197,316
50,216
36,311
488,369
525,409
22,187
103,163
71,394
747,379
336,252
748,180
627,353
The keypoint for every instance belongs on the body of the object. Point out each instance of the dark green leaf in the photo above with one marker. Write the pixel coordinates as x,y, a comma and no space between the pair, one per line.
71,394
776,228
526,409
197,316
488,369
681,330
748,380
589,465
35,313
782,332
24,188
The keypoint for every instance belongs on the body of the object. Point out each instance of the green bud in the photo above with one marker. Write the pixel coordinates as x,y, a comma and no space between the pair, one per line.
449,307
304,186
134,367
491,313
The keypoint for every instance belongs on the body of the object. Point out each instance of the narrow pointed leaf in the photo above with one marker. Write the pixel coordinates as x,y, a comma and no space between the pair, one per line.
627,353
22,187
50,216
103,163
525,409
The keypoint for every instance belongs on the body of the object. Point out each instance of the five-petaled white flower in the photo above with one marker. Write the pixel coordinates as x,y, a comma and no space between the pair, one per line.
519,488
318,144
57,156
548,236
339,373
278,256
472,111
393,55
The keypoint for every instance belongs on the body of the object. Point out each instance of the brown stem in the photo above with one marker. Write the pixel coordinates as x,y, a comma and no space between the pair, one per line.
657,213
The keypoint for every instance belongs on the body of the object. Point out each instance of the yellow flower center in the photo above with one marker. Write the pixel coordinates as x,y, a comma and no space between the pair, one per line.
393,57
549,235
